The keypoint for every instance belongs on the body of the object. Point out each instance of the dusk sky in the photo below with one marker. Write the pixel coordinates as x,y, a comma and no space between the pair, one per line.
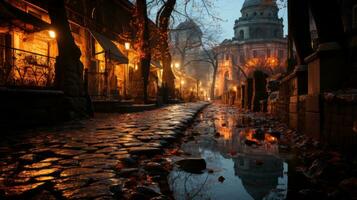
229,11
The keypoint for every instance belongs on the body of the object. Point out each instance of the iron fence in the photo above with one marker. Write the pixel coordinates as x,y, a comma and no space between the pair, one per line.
21,68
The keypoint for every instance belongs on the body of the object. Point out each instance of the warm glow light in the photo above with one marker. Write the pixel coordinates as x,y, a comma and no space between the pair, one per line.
182,82
127,45
209,99
52,34
177,65
136,67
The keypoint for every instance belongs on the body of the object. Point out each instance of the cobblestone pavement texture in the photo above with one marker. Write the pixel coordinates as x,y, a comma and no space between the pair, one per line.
112,156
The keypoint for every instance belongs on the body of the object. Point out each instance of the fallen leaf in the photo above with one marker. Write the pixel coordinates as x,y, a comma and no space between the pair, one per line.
221,179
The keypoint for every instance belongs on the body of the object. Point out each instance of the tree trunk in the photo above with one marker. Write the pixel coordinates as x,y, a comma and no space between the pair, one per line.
213,81
68,67
163,19
299,27
144,38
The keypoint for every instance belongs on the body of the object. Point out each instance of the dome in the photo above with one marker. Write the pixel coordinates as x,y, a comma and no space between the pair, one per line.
189,25
249,3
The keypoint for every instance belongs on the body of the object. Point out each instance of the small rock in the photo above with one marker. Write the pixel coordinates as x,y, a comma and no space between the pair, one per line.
192,165
221,179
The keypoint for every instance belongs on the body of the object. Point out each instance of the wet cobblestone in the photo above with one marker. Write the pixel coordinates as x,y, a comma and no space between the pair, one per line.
108,157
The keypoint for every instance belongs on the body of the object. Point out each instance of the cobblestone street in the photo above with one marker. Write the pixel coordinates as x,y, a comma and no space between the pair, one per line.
108,157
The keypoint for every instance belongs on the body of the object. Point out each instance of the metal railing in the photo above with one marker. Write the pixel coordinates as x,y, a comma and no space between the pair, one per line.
21,68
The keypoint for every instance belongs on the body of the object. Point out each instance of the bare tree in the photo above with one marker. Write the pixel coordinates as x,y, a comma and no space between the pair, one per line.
69,69
143,32
163,21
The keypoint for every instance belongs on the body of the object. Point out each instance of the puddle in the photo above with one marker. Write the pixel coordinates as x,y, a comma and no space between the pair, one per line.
241,164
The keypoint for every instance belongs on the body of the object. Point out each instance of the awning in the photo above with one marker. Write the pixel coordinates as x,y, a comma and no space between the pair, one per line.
110,49
21,19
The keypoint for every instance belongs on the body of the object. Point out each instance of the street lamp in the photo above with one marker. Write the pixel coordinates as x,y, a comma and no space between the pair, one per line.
181,83
177,65
52,34
127,47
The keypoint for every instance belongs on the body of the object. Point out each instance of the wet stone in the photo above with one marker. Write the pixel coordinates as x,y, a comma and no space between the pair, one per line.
53,159
68,162
67,152
34,173
21,180
91,156
88,192
107,150
44,178
44,195
97,176
128,171
144,150
75,145
28,157
122,156
69,185
104,163
9,167
134,144
121,152
20,189
78,171
38,165
144,138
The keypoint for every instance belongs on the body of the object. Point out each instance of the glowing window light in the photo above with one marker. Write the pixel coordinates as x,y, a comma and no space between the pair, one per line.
52,34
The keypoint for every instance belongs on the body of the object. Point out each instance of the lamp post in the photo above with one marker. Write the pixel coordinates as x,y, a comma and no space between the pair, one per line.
127,47
181,83
197,85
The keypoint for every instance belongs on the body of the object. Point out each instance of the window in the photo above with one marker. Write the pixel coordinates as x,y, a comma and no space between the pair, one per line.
268,53
261,13
281,54
276,33
241,34
255,13
255,54
227,56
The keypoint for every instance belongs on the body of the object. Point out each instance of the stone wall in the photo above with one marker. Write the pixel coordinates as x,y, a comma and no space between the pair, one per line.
339,118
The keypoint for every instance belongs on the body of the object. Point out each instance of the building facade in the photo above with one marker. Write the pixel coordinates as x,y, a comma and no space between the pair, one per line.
28,47
258,44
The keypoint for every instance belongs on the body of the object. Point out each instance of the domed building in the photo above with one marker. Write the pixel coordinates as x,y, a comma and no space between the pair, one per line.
258,44
259,21
187,57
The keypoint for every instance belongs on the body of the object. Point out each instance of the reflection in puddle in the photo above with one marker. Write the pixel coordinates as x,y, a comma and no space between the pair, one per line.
248,159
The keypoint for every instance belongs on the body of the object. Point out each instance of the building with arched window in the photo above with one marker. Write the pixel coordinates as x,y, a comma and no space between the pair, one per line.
258,44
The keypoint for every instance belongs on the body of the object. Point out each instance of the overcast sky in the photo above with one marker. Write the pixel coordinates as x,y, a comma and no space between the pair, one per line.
229,11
